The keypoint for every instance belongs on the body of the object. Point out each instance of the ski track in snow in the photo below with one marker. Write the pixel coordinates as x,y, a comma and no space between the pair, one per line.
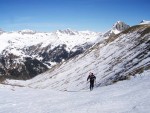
129,96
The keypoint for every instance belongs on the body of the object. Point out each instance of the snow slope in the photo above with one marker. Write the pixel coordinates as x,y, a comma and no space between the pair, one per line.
129,96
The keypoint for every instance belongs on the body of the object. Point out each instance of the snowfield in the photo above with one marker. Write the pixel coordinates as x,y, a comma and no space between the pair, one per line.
129,96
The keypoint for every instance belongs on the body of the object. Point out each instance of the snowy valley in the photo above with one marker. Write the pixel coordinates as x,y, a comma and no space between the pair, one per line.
119,58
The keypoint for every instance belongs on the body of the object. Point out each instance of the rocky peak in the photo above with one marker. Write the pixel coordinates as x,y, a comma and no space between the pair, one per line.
67,31
27,31
120,26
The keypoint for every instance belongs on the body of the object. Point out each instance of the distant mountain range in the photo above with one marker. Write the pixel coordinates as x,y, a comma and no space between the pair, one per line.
26,53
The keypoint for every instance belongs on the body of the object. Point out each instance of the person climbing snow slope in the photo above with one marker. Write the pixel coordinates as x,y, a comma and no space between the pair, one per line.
92,80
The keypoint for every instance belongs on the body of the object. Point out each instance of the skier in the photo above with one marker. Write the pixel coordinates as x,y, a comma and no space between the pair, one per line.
92,80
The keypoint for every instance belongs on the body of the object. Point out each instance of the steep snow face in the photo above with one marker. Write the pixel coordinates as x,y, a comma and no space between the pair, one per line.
145,22
117,58
130,96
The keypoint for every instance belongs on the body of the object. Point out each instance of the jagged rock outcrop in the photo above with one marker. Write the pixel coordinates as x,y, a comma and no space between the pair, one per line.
118,27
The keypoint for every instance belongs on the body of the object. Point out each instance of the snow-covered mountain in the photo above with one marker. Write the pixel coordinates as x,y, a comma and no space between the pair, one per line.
114,59
26,53
145,22
118,27
27,31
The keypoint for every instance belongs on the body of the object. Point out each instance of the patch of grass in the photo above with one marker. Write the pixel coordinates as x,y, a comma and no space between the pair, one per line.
139,70
131,29
147,30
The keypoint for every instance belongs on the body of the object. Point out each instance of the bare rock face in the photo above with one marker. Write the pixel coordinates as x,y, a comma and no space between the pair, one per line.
117,28
120,26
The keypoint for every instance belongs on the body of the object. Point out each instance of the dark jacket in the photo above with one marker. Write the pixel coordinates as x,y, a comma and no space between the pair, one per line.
91,77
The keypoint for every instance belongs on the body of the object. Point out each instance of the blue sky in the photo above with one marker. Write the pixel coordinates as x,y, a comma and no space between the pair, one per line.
50,15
